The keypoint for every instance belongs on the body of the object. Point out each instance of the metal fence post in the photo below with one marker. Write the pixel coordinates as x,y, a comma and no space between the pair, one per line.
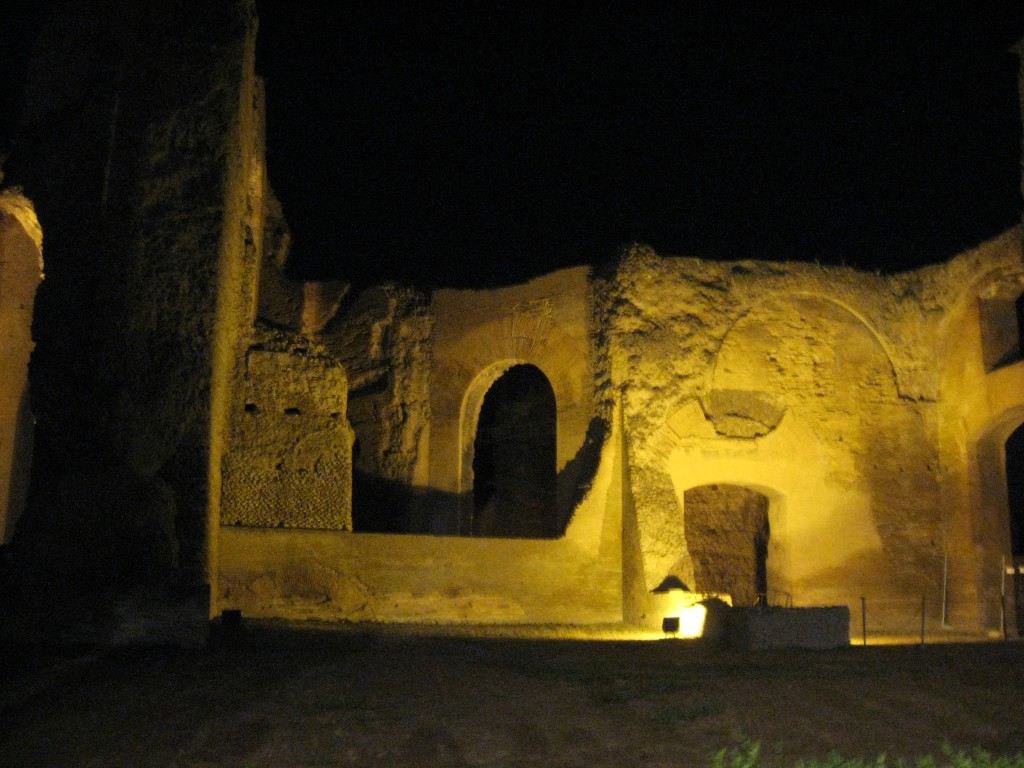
864,619
923,598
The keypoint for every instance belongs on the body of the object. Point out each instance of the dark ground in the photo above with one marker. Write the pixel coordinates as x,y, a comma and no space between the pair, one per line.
280,698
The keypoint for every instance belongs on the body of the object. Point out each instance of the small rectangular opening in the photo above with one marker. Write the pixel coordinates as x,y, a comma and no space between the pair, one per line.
1000,331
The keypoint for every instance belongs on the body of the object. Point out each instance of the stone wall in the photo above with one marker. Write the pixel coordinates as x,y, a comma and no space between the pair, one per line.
328,575
822,389
851,419
382,338
979,408
288,461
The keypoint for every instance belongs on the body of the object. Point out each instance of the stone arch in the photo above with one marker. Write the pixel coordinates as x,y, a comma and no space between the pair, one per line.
813,358
759,320
826,545
477,337
991,520
21,269
509,457
772,304
981,404
472,402
460,385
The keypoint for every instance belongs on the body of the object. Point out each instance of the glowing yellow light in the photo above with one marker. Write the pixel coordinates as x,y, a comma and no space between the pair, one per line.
691,621
687,607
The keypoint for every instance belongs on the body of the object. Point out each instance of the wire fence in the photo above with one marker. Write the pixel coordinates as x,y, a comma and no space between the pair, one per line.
874,619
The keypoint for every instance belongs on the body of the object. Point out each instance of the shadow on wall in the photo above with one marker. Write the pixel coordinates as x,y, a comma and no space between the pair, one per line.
381,505
577,476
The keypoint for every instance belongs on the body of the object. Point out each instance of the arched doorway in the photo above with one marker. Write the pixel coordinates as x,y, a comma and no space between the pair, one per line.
1014,453
514,457
727,532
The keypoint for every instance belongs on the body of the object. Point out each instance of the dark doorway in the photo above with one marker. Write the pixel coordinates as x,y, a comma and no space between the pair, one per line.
761,558
1015,498
1015,489
514,458
728,533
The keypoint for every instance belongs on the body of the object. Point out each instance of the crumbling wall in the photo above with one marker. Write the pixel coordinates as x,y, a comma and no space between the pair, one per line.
288,459
980,406
302,574
383,340
814,386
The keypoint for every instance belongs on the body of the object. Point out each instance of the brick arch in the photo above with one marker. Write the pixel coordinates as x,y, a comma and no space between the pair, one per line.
990,503
529,508
470,416
761,305
464,372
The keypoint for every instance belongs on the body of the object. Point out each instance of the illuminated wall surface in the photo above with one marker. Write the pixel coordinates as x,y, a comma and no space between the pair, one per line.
786,433
766,432
20,272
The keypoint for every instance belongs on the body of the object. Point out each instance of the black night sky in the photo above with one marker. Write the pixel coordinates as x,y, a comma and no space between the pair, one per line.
485,143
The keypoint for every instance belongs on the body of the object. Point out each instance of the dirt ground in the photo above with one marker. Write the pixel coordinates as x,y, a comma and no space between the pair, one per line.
280,698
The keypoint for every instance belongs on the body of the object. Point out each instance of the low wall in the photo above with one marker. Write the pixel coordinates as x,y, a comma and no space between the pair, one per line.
336,575
789,627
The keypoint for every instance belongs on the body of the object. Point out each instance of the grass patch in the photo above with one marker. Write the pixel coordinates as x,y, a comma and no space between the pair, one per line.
670,712
748,755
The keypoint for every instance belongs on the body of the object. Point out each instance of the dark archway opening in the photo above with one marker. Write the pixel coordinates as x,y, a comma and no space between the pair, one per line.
727,532
1015,489
1015,497
514,458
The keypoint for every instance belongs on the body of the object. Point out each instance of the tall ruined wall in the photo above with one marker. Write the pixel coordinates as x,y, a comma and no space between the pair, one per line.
979,359
141,149
816,387
383,340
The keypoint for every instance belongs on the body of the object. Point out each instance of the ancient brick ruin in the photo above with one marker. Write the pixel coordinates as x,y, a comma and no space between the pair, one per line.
783,431
545,453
